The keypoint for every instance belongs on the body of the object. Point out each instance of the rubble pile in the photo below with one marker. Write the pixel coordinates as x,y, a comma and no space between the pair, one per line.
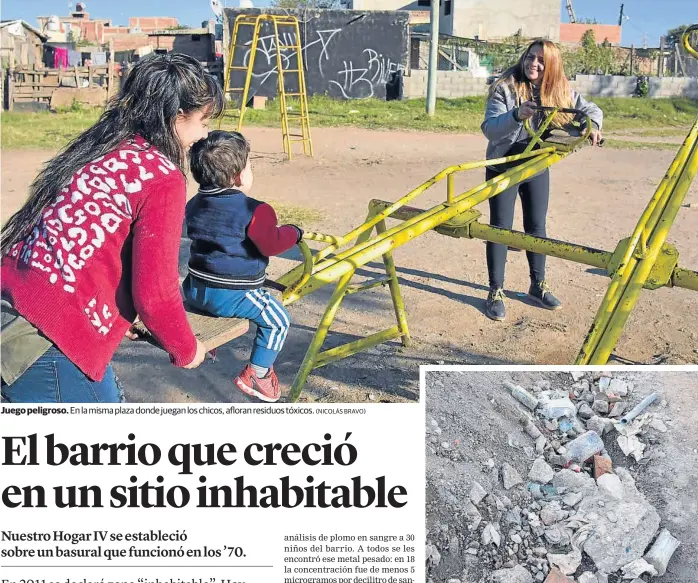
574,518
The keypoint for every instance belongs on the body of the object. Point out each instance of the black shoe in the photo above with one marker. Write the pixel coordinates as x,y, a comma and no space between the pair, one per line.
541,293
494,307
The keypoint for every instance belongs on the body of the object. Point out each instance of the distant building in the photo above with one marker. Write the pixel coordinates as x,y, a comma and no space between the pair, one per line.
20,44
481,19
78,26
196,42
571,34
75,27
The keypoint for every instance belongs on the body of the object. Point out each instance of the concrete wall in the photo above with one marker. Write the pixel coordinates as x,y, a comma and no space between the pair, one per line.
453,84
449,84
616,86
496,19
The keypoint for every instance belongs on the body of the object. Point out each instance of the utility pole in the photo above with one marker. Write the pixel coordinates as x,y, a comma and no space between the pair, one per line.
620,18
433,57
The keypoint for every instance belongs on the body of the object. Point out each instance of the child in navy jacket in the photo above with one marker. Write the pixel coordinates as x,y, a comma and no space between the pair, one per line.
232,237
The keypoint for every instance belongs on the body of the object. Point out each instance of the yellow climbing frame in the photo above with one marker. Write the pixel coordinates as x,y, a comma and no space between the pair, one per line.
292,31
643,260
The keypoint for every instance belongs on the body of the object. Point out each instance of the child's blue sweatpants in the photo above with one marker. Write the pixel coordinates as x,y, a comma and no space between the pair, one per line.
256,305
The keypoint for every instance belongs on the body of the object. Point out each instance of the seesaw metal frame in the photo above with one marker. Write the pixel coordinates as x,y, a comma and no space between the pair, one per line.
644,260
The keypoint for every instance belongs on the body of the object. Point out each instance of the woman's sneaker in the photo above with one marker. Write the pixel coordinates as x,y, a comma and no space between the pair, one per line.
266,389
494,307
540,292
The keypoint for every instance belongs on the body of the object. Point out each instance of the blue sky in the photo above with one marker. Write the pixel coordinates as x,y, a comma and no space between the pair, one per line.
646,17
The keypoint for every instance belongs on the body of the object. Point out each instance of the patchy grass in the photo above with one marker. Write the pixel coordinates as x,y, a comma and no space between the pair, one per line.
296,215
44,130
630,145
663,117
680,132
453,115
638,113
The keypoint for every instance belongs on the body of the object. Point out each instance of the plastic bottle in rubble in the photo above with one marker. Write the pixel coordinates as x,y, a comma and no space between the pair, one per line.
583,447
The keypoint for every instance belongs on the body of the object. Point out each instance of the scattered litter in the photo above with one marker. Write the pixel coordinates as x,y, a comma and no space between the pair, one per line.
631,446
636,568
575,516
639,408
522,395
556,407
584,447
661,552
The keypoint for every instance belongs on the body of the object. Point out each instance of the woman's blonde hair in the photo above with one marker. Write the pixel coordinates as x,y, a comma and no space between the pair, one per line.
555,90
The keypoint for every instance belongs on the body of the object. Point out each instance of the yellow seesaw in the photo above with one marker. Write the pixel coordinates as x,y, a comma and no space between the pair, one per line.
643,260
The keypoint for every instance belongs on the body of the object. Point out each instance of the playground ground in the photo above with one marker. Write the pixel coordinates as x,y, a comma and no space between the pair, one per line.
597,196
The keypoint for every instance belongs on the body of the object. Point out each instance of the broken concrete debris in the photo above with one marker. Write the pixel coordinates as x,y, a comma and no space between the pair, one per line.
516,574
574,517
541,472
477,493
510,477
556,576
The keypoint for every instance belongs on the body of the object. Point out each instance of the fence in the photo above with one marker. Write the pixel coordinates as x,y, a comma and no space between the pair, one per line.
31,84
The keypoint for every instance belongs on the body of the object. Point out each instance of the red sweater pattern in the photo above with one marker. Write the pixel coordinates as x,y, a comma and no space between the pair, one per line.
106,250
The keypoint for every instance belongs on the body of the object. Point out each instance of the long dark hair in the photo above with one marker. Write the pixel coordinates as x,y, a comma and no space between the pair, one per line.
152,95
554,90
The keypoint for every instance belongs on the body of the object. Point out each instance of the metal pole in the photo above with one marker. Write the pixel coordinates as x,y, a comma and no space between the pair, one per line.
433,57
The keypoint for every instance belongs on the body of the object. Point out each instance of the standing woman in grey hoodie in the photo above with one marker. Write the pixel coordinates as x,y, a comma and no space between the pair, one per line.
538,78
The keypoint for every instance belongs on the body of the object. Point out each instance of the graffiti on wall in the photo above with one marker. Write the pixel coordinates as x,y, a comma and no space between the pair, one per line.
333,61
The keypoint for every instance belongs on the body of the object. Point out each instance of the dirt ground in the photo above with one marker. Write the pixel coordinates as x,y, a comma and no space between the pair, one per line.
597,197
478,419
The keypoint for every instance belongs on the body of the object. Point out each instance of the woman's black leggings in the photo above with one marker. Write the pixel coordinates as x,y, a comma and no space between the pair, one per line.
534,193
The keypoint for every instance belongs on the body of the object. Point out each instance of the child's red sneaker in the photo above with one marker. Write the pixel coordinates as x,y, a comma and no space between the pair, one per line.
266,389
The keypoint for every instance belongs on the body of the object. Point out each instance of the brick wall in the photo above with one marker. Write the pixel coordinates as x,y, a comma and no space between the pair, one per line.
573,33
110,31
152,23
129,42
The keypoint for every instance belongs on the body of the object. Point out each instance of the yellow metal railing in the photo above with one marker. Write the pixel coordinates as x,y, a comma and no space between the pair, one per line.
686,40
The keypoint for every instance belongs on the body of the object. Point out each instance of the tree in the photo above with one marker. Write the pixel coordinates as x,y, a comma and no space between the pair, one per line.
673,36
591,58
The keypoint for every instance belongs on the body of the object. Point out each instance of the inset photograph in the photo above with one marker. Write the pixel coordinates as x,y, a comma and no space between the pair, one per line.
584,476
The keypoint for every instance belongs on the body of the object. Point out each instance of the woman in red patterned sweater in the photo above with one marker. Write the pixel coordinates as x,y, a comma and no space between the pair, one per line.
97,242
